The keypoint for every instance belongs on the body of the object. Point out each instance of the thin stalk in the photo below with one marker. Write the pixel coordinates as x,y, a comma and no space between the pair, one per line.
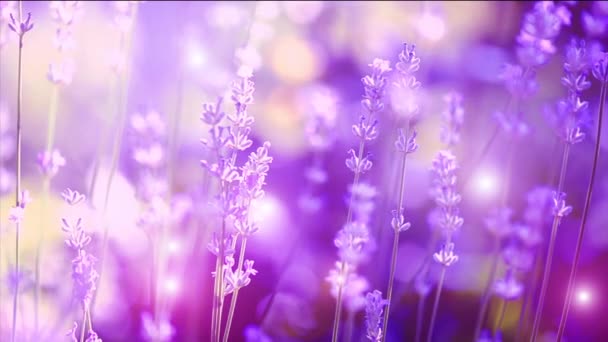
46,185
122,109
18,175
350,326
83,325
436,304
343,267
581,231
102,141
487,293
236,291
549,260
419,317
391,277
501,317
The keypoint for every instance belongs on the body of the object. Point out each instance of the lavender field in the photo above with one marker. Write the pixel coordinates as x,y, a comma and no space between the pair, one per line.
303,171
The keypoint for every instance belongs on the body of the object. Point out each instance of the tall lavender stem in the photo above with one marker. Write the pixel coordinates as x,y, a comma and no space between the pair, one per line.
549,260
391,277
20,29
581,232
436,303
235,293
115,151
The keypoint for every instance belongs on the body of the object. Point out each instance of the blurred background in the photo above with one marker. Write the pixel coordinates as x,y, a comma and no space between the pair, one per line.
308,59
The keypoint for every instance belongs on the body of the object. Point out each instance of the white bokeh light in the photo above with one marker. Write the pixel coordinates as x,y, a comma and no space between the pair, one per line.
195,55
171,285
431,26
583,296
485,183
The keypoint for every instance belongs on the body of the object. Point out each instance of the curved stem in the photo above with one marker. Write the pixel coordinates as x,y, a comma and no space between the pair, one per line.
391,277
436,304
501,317
547,268
18,175
236,291
83,325
485,300
419,318
343,268
581,231
122,110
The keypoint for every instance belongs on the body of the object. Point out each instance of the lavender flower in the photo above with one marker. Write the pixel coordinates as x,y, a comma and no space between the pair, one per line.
509,288
374,307
600,69
50,162
446,196
560,209
162,331
499,222
350,241
83,265
540,28
17,213
453,118
571,114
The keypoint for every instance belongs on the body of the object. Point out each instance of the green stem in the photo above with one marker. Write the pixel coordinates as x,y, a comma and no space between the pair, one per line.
581,231
236,291
436,304
18,175
549,260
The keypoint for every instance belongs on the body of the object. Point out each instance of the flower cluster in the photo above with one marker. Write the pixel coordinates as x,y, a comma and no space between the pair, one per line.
571,115
539,30
447,199
64,13
404,99
374,306
22,27
49,162
453,118
83,265
239,186
17,212
595,21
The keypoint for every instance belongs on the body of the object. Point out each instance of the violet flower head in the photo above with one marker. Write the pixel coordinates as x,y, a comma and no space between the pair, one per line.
398,221
350,241
453,119
358,165
519,82
84,273
540,28
404,145
571,114
508,288
21,28
321,108
446,256
445,193
237,279
374,308
560,209
374,85
362,196
404,98
498,222
93,337
50,162
595,21
17,213
600,69
151,331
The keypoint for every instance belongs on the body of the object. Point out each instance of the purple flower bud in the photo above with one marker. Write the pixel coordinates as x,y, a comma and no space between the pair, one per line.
446,255
50,162
408,147
508,288
600,69
560,209
374,307
72,197
212,114
357,165
398,222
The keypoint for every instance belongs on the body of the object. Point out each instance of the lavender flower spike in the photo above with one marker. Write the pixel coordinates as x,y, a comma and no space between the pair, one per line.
374,307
